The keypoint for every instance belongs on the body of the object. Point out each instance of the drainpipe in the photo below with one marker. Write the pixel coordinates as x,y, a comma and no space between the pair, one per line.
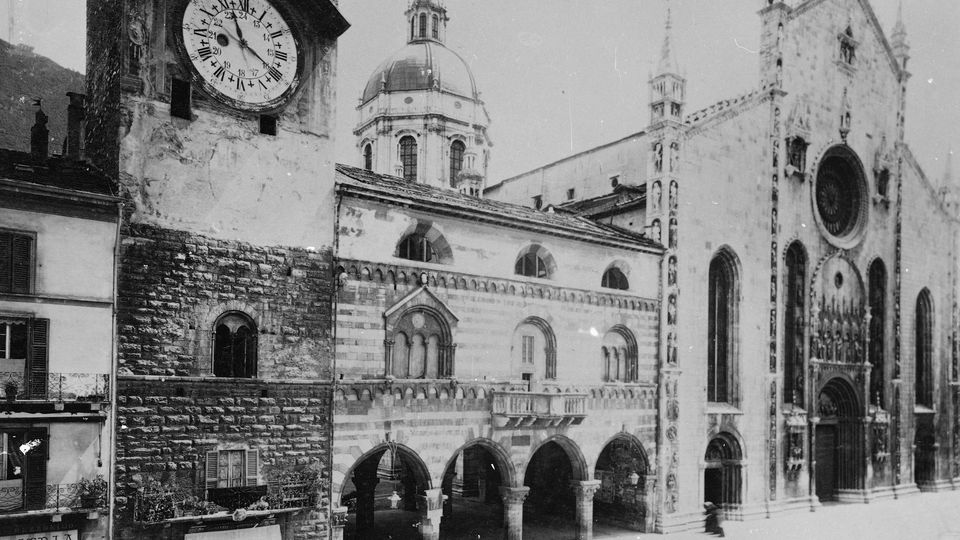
112,437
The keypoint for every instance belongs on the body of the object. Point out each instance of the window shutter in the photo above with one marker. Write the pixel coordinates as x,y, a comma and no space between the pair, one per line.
212,469
35,469
22,246
252,464
38,358
6,262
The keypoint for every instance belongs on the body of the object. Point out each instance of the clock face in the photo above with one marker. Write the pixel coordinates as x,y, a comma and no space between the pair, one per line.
242,50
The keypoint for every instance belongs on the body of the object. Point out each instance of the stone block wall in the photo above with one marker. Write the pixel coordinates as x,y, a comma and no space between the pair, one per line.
174,285
166,425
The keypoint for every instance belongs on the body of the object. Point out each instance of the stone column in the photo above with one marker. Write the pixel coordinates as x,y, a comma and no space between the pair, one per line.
430,507
513,498
365,479
813,462
338,520
584,490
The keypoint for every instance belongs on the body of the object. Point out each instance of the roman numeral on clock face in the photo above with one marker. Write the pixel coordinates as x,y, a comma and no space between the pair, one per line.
275,73
204,52
276,34
280,55
220,72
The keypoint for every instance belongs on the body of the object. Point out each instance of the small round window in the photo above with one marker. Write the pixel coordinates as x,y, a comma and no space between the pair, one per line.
840,197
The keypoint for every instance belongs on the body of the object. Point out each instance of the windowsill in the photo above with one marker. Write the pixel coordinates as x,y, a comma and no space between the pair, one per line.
923,409
722,408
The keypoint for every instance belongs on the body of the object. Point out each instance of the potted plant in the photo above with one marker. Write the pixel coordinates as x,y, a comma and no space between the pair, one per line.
92,492
10,390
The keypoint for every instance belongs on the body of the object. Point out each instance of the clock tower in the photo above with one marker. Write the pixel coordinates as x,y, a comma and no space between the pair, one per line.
215,117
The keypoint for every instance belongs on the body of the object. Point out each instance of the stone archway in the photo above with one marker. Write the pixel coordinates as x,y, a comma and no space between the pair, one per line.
472,482
621,499
559,497
722,473
839,440
382,491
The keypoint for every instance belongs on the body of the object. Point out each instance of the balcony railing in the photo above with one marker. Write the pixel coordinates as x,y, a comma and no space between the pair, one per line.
180,503
538,409
90,387
74,497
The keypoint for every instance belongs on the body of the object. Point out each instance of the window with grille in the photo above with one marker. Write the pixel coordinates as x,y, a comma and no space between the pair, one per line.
423,25
721,322
408,158
435,27
924,350
235,346
16,262
530,265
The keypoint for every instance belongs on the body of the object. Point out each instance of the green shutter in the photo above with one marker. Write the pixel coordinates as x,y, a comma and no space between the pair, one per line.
37,360
35,469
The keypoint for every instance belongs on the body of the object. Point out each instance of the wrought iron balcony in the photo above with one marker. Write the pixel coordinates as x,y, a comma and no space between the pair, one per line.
54,387
87,495
165,503
537,409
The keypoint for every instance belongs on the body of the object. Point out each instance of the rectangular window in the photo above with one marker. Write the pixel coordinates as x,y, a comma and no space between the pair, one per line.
11,471
16,262
232,468
23,355
571,193
527,353
23,469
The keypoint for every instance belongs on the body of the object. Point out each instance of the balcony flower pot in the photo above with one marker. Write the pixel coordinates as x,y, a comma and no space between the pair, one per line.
233,498
10,391
93,492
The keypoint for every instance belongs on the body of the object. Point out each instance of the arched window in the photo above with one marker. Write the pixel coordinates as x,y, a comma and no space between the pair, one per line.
534,261
613,278
419,346
413,25
722,479
796,267
456,159
235,346
416,247
435,27
924,349
535,349
619,356
878,296
408,158
423,25
368,157
721,328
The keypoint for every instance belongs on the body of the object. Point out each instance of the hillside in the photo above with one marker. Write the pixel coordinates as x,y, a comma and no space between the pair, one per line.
25,76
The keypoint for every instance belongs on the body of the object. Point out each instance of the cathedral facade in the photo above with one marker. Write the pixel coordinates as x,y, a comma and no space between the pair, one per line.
808,337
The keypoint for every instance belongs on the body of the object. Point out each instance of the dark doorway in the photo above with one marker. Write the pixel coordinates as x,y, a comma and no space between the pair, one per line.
722,481
826,462
551,499
471,483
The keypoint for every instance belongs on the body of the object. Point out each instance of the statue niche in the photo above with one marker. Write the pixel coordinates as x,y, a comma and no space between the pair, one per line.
839,320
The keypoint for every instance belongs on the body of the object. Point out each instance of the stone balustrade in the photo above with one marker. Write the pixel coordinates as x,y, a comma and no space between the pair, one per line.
512,409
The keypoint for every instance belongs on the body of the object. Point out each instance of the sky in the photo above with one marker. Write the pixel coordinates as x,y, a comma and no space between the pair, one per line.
560,76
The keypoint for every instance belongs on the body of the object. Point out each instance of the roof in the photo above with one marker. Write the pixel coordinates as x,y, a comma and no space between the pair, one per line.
724,105
56,172
391,189
622,198
422,65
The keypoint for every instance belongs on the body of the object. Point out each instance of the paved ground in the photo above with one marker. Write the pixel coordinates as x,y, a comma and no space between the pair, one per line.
927,516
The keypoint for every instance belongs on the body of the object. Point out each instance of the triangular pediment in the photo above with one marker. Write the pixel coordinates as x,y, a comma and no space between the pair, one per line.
422,297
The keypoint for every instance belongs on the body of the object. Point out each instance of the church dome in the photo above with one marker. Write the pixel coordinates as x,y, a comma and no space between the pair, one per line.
422,65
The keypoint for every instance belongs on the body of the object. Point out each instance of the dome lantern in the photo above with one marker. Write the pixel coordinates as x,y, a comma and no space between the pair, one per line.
427,20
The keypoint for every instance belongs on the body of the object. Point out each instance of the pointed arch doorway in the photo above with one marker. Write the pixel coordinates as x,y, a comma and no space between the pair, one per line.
839,441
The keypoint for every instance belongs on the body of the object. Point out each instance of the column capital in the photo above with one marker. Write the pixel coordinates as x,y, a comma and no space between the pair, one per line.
514,495
585,488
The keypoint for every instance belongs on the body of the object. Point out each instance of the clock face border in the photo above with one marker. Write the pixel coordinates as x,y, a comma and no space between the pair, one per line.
200,82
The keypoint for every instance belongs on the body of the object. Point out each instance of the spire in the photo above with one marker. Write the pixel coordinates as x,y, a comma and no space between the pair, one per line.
668,62
899,30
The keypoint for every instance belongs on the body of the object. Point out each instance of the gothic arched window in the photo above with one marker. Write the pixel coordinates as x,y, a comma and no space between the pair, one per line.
423,25
924,349
721,328
878,296
408,158
368,157
416,247
420,346
614,278
235,346
796,266
457,149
